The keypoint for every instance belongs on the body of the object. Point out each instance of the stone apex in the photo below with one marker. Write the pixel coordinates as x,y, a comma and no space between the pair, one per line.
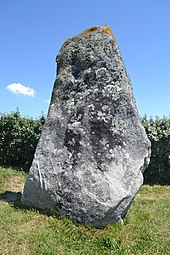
104,28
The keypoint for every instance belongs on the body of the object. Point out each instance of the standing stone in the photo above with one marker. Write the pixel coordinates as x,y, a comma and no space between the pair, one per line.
93,150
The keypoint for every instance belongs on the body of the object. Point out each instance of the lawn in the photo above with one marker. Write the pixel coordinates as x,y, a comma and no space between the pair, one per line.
146,228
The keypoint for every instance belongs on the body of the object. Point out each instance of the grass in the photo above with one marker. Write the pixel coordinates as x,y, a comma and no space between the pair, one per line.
146,229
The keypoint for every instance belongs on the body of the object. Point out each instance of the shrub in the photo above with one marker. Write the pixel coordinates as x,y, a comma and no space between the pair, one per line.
158,131
18,139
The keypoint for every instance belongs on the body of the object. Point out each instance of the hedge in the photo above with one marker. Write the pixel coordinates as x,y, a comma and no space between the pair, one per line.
158,131
19,137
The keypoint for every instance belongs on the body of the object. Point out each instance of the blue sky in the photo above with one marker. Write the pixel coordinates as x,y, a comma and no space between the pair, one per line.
33,31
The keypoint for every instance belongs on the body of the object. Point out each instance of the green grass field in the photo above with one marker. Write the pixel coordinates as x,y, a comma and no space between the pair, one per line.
146,228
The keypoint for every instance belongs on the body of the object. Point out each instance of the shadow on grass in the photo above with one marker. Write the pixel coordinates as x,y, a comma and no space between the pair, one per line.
11,197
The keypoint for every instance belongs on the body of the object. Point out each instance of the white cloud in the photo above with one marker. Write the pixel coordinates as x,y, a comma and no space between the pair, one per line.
18,88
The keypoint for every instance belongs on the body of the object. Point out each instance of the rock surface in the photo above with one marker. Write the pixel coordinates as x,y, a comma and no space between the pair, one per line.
93,150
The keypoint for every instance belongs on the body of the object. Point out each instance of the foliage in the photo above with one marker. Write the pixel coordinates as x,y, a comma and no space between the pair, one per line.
18,139
158,131
146,228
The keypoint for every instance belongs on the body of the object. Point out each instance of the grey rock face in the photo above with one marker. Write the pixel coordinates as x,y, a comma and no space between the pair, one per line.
93,150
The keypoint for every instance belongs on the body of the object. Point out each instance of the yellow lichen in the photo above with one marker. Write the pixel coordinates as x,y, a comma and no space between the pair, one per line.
106,29
89,30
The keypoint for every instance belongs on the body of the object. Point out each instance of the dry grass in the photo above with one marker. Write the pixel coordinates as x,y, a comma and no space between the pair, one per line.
155,192
14,184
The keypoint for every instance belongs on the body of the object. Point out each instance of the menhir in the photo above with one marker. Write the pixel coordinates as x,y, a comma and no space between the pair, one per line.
93,150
